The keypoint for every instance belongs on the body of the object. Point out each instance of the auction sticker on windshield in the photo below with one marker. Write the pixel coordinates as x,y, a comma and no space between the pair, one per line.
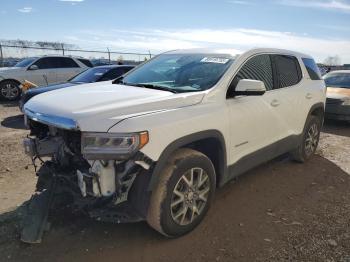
217,60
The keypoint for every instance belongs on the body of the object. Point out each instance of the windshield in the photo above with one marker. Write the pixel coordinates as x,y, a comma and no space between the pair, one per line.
25,62
338,80
91,75
181,72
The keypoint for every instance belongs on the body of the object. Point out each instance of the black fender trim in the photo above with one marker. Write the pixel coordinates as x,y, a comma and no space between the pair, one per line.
314,107
172,147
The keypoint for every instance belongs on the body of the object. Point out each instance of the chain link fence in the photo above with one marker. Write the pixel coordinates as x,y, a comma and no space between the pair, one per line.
11,54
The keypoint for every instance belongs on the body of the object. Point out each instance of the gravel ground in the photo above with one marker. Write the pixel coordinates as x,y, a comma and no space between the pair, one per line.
280,211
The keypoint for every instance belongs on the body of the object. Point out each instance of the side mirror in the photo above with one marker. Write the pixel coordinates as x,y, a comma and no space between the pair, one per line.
249,87
33,67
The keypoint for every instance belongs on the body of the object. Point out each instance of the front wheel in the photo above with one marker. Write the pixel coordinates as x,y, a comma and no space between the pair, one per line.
309,142
183,194
10,90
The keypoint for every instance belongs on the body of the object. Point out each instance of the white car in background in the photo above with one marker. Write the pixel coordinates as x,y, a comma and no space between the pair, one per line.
41,71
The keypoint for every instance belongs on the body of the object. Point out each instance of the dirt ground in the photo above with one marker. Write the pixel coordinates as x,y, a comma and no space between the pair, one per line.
280,211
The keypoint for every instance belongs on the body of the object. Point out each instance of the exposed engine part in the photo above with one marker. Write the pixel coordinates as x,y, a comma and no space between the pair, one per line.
142,160
124,181
104,183
108,190
45,147
143,164
108,178
81,183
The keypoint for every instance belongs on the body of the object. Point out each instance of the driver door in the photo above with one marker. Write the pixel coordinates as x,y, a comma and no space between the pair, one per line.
44,74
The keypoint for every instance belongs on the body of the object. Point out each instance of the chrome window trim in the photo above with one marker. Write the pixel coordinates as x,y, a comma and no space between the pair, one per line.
51,120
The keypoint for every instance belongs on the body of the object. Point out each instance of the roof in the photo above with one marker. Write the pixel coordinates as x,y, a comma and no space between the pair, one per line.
58,55
230,52
235,52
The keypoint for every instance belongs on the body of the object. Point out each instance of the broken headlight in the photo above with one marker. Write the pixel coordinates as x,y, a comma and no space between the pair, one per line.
112,145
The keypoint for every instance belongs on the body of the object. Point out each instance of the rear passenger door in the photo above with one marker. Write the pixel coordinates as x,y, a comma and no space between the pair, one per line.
66,68
287,99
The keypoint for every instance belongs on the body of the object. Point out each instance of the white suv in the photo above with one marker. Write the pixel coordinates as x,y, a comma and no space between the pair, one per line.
155,144
40,71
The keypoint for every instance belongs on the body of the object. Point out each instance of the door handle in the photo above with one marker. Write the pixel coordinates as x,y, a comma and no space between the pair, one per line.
308,96
275,103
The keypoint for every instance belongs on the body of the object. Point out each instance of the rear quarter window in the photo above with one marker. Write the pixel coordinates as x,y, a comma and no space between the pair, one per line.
86,62
312,69
65,62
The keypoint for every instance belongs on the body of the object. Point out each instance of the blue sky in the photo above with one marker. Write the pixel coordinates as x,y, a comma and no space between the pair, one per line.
318,27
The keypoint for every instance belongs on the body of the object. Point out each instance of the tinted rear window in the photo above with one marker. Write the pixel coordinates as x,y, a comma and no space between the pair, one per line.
55,62
91,75
65,62
287,70
114,73
312,69
86,62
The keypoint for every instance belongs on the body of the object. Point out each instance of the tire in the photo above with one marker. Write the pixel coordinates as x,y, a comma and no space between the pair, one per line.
10,90
174,220
309,142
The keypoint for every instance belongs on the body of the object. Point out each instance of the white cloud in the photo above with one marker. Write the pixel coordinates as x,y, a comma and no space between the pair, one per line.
25,10
235,38
239,2
339,5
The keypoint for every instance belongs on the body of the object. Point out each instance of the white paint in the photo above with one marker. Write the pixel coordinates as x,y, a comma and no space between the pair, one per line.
168,117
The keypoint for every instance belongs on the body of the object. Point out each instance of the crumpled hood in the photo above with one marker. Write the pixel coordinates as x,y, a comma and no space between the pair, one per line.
98,106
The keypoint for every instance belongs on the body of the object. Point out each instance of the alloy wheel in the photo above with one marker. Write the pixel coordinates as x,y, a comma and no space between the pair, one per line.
190,196
311,139
10,91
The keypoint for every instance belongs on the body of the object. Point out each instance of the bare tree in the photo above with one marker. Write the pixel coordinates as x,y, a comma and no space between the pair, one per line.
120,60
44,44
332,60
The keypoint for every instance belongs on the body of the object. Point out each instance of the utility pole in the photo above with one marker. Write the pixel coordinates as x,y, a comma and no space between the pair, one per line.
1,57
109,55
62,46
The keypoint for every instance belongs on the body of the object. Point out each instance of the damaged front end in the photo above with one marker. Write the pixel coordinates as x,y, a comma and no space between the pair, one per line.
101,174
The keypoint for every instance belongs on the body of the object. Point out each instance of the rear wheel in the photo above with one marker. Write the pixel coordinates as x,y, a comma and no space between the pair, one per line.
183,195
10,90
309,142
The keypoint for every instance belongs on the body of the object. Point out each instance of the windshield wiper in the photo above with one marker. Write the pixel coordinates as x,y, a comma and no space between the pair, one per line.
162,88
